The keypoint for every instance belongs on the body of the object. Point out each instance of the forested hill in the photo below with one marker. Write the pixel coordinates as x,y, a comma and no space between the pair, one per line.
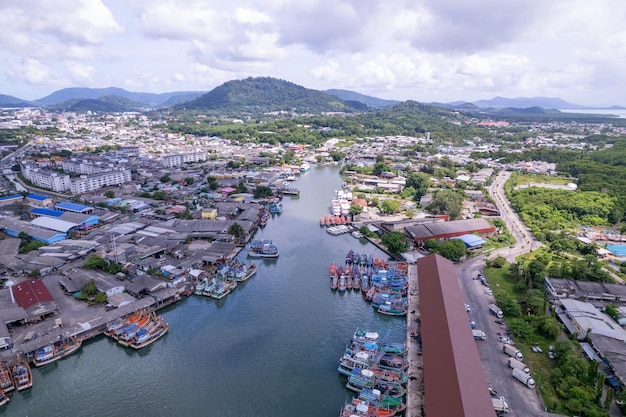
265,94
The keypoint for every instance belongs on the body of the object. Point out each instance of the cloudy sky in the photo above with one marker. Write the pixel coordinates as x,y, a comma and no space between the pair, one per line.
424,50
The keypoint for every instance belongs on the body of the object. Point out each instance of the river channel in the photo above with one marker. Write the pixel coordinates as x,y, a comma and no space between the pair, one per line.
270,348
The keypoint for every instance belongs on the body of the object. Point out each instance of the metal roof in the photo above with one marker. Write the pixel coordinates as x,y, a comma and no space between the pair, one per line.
51,223
73,207
454,380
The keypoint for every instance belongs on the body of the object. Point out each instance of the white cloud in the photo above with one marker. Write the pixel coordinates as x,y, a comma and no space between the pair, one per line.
243,15
80,74
32,72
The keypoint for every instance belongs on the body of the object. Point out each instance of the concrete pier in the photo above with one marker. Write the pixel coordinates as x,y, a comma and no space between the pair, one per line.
415,385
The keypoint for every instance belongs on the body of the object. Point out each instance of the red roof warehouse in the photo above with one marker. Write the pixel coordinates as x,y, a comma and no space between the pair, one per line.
454,381
33,296
445,230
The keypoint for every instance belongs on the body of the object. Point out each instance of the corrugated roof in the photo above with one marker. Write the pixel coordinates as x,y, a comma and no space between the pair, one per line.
47,212
36,197
454,381
471,240
53,224
73,207
11,197
31,292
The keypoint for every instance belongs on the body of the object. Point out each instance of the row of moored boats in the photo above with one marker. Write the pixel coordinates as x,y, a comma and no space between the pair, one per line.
377,371
16,378
137,331
385,286
224,280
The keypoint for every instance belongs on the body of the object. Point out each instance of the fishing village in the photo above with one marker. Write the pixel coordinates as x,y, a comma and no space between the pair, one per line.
131,317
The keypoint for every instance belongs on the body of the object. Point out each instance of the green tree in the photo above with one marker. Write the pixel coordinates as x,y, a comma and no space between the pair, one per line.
379,167
159,195
100,298
109,194
95,262
395,242
355,210
236,230
165,178
189,180
263,191
447,202
390,206
453,249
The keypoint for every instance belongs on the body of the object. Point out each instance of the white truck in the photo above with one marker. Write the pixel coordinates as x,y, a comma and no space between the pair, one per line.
515,364
500,405
478,334
524,378
495,310
513,352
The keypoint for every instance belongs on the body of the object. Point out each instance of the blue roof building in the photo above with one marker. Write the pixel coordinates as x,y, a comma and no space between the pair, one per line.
74,208
472,241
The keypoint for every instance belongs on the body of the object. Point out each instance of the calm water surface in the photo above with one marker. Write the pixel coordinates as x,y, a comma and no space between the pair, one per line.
270,348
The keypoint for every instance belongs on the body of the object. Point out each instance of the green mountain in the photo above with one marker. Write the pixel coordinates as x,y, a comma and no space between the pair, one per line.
149,99
102,104
10,102
265,94
372,102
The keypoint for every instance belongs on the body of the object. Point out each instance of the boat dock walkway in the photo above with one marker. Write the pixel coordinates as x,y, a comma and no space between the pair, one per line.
415,385
90,327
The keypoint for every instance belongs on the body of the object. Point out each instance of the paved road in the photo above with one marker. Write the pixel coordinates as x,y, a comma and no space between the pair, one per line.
523,402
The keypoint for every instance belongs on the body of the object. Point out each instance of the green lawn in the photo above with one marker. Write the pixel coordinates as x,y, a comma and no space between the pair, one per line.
541,179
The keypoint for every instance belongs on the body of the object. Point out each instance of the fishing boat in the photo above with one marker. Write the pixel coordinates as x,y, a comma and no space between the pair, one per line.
222,289
146,336
22,376
263,249
361,408
352,360
56,351
304,167
200,286
265,216
276,208
341,286
364,336
245,273
4,398
377,398
6,379
360,379
393,309
334,282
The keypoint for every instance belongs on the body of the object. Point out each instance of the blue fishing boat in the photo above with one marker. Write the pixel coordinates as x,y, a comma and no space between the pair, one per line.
263,249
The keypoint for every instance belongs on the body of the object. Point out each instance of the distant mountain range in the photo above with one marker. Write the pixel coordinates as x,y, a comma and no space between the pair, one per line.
372,102
261,94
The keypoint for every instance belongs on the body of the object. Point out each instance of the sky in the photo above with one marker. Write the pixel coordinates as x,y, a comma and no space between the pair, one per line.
423,50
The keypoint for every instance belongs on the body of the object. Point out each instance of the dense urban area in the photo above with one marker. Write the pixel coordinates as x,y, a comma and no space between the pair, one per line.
107,216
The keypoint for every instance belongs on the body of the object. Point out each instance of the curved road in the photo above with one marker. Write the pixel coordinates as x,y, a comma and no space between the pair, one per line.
523,402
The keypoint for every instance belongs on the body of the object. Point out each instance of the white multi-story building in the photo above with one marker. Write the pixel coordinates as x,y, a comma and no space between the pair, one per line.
176,160
60,182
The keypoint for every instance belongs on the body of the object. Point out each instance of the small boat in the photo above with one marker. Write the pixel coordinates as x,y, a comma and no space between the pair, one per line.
247,272
56,351
22,376
200,286
263,249
222,289
334,282
6,379
149,334
4,398
361,408
350,257
341,286
392,309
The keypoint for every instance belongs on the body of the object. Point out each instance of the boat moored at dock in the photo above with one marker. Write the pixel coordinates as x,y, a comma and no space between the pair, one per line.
56,351
263,249
6,379
22,376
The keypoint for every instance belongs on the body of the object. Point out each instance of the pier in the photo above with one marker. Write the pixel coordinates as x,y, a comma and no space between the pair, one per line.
415,385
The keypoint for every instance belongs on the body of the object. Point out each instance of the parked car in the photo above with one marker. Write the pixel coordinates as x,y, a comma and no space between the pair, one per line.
499,321
504,340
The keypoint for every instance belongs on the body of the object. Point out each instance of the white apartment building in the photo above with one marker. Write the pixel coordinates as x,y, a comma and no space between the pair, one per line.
176,160
60,182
